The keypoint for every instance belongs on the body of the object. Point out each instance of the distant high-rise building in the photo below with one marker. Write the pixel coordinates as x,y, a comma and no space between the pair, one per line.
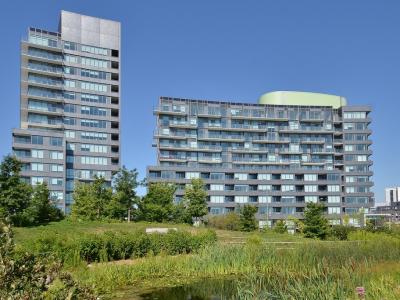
289,149
392,195
70,104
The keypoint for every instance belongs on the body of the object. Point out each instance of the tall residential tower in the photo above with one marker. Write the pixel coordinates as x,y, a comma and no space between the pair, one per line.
289,149
70,104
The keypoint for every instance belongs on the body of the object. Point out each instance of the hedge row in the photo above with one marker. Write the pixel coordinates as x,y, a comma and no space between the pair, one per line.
110,246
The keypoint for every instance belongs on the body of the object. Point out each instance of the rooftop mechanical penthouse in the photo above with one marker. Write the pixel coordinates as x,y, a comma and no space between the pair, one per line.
289,149
70,102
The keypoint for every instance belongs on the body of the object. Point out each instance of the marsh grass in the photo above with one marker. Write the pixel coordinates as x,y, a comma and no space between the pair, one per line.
315,270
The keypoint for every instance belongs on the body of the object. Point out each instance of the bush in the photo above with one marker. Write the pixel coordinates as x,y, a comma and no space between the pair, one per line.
341,232
280,227
115,245
229,221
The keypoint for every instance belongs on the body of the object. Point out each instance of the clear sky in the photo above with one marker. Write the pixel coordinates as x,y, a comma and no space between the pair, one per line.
231,50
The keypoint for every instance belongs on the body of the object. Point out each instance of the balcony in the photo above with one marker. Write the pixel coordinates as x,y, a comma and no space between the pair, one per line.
169,111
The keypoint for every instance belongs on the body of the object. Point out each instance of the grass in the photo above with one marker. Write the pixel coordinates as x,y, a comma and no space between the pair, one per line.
258,262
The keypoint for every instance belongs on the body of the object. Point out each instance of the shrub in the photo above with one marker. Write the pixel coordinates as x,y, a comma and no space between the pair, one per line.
280,227
116,245
341,232
229,221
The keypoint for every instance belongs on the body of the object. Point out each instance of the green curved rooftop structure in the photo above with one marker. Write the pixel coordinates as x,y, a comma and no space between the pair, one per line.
302,99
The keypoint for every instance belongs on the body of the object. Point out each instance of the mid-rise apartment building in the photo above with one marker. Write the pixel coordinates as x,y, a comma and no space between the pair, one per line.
69,104
289,149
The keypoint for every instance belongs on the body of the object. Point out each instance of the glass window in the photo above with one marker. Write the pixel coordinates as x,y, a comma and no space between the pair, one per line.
37,153
37,167
56,155
310,177
310,188
192,175
56,181
264,176
216,187
217,199
334,199
241,199
333,188
333,210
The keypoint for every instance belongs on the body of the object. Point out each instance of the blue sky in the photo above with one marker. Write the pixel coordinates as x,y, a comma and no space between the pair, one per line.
232,50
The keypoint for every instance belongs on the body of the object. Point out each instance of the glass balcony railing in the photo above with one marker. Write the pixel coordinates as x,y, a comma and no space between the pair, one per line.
44,54
45,68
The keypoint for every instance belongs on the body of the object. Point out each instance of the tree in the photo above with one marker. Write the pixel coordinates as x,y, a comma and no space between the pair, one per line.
125,184
280,227
195,199
247,218
315,223
15,194
92,199
157,205
40,209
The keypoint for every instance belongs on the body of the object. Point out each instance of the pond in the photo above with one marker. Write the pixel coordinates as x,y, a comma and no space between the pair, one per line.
206,289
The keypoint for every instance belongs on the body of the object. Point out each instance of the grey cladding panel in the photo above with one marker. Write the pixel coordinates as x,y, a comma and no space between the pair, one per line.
90,31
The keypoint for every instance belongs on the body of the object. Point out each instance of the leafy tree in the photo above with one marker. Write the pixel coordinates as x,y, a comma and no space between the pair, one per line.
157,205
195,199
280,227
26,276
15,195
315,223
40,209
125,184
247,218
92,200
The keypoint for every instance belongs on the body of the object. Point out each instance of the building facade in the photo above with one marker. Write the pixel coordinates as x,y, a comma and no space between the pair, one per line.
391,206
289,149
69,104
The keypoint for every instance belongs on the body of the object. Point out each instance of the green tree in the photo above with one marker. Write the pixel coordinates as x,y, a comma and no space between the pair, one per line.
15,195
315,223
280,227
92,200
195,199
247,217
157,205
125,184
40,209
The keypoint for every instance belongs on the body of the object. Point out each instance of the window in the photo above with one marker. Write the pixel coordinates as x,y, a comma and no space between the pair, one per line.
69,83
94,148
192,175
94,98
92,160
333,177
56,196
94,50
241,187
55,141
37,140
93,74
56,155
94,86
71,146
71,58
57,168
350,179
70,46
56,181
310,199
264,187
37,167
36,180
287,177
264,199
264,176
287,188
217,199
37,153
333,188
333,210
92,110
44,41
94,62
69,134
348,148
241,199
93,135
217,176
216,187
310,177
355,115
94,123
240,176
69,121
310,188
350,189
333,199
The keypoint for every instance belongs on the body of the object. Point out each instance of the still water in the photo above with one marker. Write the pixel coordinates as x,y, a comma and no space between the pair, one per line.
208,289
